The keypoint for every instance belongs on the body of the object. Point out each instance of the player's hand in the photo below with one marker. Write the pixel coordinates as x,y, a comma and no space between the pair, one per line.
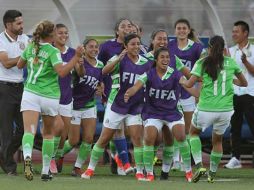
122,54
127,96
182,80
244,57
80,51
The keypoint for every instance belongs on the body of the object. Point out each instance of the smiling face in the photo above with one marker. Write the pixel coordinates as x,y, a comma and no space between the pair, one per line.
124,28
91,49
182,31
162,60
160,40
61,35
239,35
133,47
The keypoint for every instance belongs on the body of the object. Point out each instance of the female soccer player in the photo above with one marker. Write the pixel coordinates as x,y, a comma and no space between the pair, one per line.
63,119
108,50
41,93
129,65
215,102
161,98
84,103
189,52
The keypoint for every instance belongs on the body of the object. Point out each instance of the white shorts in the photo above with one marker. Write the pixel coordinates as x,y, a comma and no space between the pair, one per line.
113,120
34,102
220,120
158,123
78,115
65,110
188,105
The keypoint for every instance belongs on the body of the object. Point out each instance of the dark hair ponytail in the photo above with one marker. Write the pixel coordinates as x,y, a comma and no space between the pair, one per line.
213,63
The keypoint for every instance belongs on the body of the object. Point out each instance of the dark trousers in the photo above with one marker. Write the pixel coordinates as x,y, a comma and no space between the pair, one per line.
10,134
243,106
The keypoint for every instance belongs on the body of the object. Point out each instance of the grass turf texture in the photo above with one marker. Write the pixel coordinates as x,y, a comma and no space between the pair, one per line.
239,179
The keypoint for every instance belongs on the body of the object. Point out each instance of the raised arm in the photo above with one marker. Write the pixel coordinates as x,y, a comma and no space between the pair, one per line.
133,90
63,70
188,83
79,68
109,67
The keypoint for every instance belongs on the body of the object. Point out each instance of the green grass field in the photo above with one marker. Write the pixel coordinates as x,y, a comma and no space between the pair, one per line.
240,179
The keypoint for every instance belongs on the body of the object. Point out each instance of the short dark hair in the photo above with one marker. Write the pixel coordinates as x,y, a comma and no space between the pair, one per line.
10,16
244,25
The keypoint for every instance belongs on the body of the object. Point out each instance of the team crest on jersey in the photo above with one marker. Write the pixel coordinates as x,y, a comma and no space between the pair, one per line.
22,45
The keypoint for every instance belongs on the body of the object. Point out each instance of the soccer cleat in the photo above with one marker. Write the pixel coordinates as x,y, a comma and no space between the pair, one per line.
127,168
46,177
120,171
53,167
150,177
233,163
164,175
200,172
87,174
59,164
188,176
28,170
76,172
140,177
210,177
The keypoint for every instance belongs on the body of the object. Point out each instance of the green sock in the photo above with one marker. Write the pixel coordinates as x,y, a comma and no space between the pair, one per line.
215,159
47,153
112,147
27,144
84,151
176,154
67,147
185,153
56,144
167,157
96,154
138,156
59,154
148,156
195,144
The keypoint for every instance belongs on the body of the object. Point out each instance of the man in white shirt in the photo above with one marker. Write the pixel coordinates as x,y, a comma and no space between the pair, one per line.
12,44
243,53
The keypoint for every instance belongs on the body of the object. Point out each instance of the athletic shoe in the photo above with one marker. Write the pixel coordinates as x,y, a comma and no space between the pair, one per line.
210,177
76,172
188,176
140,177
28,170
233,163
53,167
150,177
200,172
127,168
47,177
164,175
87,174
120,171
59,164
176,166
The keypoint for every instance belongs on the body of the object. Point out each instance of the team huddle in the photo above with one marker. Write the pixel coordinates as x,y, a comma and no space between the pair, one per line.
165,94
